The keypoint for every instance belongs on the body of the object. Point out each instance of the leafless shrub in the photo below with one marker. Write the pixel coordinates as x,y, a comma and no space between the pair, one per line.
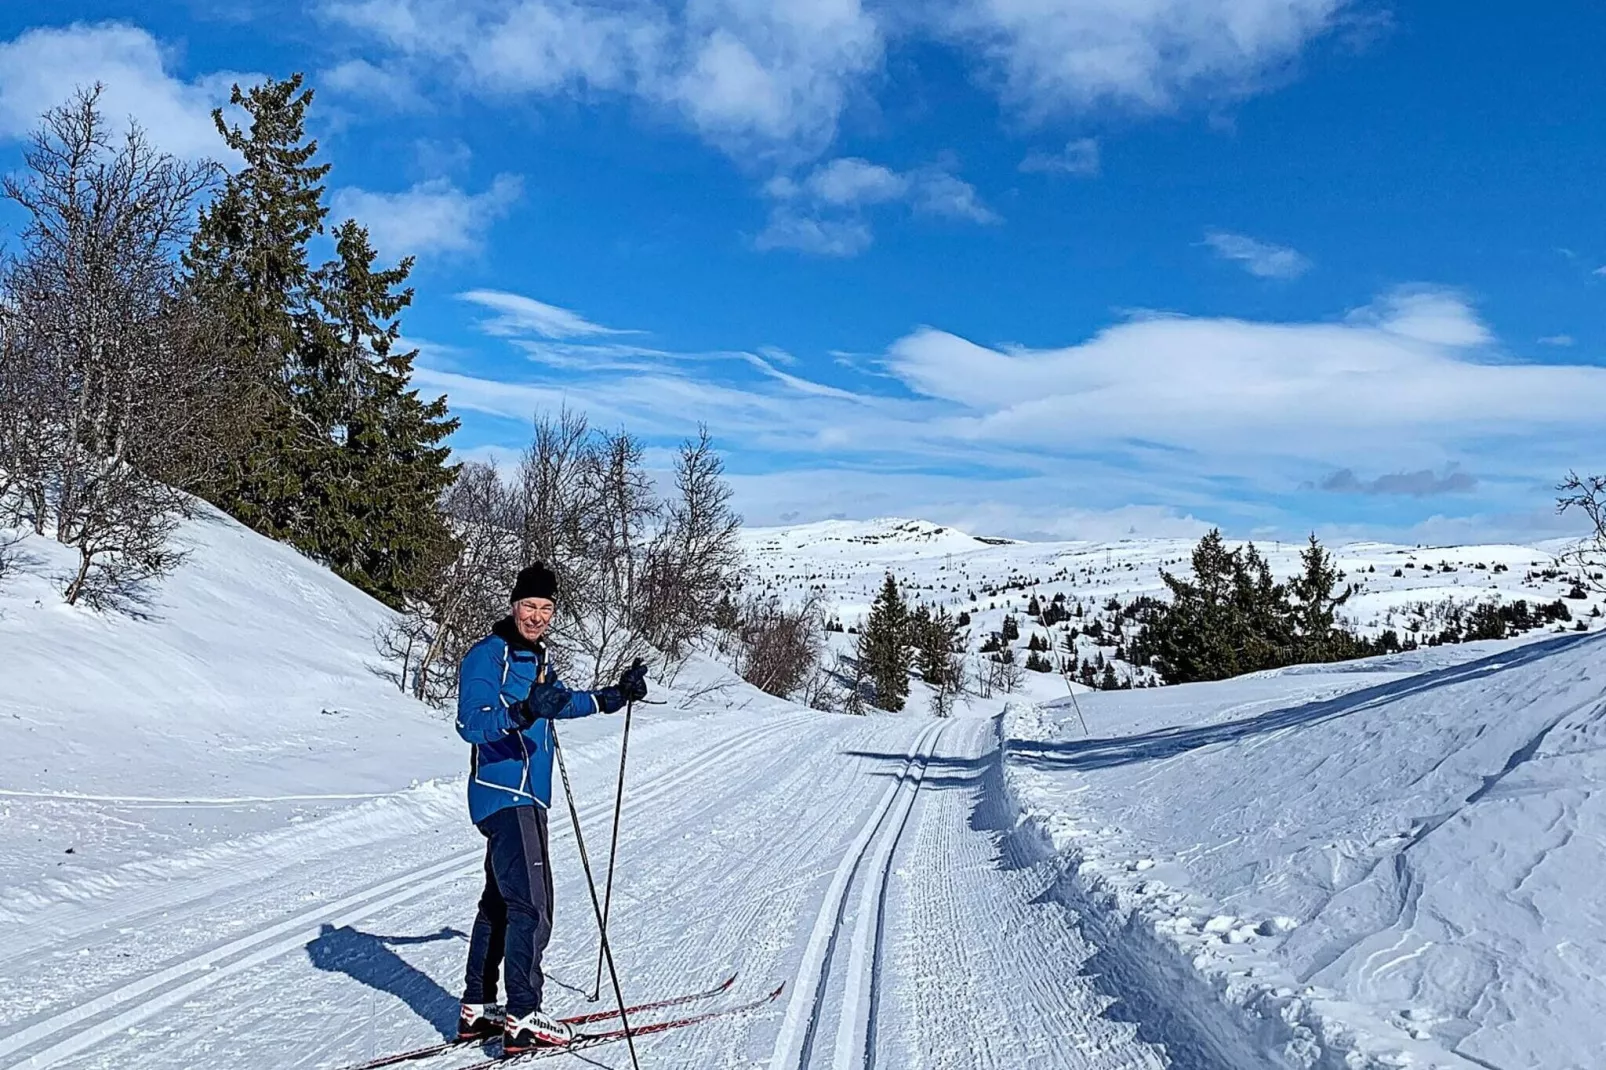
950,685
639,575
424,646
1587,494
997,674
97,349
779,645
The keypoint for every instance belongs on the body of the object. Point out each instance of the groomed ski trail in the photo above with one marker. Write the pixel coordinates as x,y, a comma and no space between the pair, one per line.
842,856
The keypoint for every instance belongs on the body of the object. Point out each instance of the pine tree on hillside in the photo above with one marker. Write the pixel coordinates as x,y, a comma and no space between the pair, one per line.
248,263
1010,628
1316,602
378,525
936,640
884,647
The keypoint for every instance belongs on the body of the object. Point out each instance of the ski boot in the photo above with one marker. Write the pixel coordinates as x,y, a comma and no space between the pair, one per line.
480,1021
534,1030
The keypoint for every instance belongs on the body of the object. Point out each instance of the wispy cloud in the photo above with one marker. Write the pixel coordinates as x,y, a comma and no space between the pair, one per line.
789,229
1079,157
1051,56
431,217
1192,416
390,87
519,315
1261,259
774,79
824,211
1561,340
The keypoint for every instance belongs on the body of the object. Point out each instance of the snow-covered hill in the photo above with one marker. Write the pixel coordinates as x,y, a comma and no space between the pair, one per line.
1407,588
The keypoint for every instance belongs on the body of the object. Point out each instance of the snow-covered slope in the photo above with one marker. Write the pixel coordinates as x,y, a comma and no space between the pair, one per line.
251,672
246,693
1398,858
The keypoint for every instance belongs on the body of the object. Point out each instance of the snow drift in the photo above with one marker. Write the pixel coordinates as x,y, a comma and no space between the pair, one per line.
1391,862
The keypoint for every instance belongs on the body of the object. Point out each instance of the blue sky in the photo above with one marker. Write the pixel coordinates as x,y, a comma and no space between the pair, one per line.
1070,268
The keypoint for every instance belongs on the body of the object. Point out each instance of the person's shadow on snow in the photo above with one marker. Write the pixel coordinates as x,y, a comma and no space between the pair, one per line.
368,959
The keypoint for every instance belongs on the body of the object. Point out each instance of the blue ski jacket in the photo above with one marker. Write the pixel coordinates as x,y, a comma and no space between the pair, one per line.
509,767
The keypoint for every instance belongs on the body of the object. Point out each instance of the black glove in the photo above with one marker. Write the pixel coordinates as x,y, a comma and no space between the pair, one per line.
521,713
633,683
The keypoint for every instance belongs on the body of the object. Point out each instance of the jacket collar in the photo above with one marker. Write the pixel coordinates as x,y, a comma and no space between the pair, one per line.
508,632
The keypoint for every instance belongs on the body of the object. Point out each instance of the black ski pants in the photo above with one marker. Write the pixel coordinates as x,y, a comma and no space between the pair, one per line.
515,916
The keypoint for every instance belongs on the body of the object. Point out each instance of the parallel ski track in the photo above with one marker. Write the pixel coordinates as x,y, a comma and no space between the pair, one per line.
794,1047
91,1022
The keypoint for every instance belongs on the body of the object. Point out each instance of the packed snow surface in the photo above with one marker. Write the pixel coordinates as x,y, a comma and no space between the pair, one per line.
227,840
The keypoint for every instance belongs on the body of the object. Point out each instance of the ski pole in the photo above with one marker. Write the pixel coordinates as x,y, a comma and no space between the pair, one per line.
596,906
1076,704
613,847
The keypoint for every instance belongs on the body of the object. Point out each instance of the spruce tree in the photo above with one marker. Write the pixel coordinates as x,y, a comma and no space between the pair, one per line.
346,463
935,642
248,262
1316,603
385,469
884,647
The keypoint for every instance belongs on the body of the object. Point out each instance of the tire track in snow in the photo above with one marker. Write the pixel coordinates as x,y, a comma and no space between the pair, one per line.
804,1011
96,1019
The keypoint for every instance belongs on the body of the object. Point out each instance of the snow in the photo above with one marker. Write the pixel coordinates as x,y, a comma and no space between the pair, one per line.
1377,864
1396,867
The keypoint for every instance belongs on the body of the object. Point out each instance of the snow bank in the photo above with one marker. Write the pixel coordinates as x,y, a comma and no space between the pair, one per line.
1394,863
252,673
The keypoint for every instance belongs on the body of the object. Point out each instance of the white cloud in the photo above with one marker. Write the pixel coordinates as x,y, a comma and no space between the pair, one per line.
41,68
1562,340
1261,259
1435,316
823,212
1161,413
750,75
431,217
519,315
1079,157
774,77
940,193
1053,56
788,229
852,181
390,86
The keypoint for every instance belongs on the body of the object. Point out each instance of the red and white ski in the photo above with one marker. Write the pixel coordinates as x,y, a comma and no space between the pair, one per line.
574,1020
592,1040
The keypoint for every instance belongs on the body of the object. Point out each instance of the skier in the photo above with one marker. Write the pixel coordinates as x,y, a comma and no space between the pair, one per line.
508,697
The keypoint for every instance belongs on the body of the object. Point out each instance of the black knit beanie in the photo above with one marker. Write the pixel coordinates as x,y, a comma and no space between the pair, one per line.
537,581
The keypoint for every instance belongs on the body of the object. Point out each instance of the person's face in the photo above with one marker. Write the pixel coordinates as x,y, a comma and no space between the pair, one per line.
533,616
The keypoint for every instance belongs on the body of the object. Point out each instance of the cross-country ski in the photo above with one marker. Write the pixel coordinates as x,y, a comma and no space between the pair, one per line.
802,535
574,1021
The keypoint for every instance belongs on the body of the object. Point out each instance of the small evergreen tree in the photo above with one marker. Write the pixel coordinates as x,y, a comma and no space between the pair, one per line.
884,646
1011,628
1316,601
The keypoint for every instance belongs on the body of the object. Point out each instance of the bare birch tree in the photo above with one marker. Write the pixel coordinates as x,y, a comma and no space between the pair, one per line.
98,326
1587,494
